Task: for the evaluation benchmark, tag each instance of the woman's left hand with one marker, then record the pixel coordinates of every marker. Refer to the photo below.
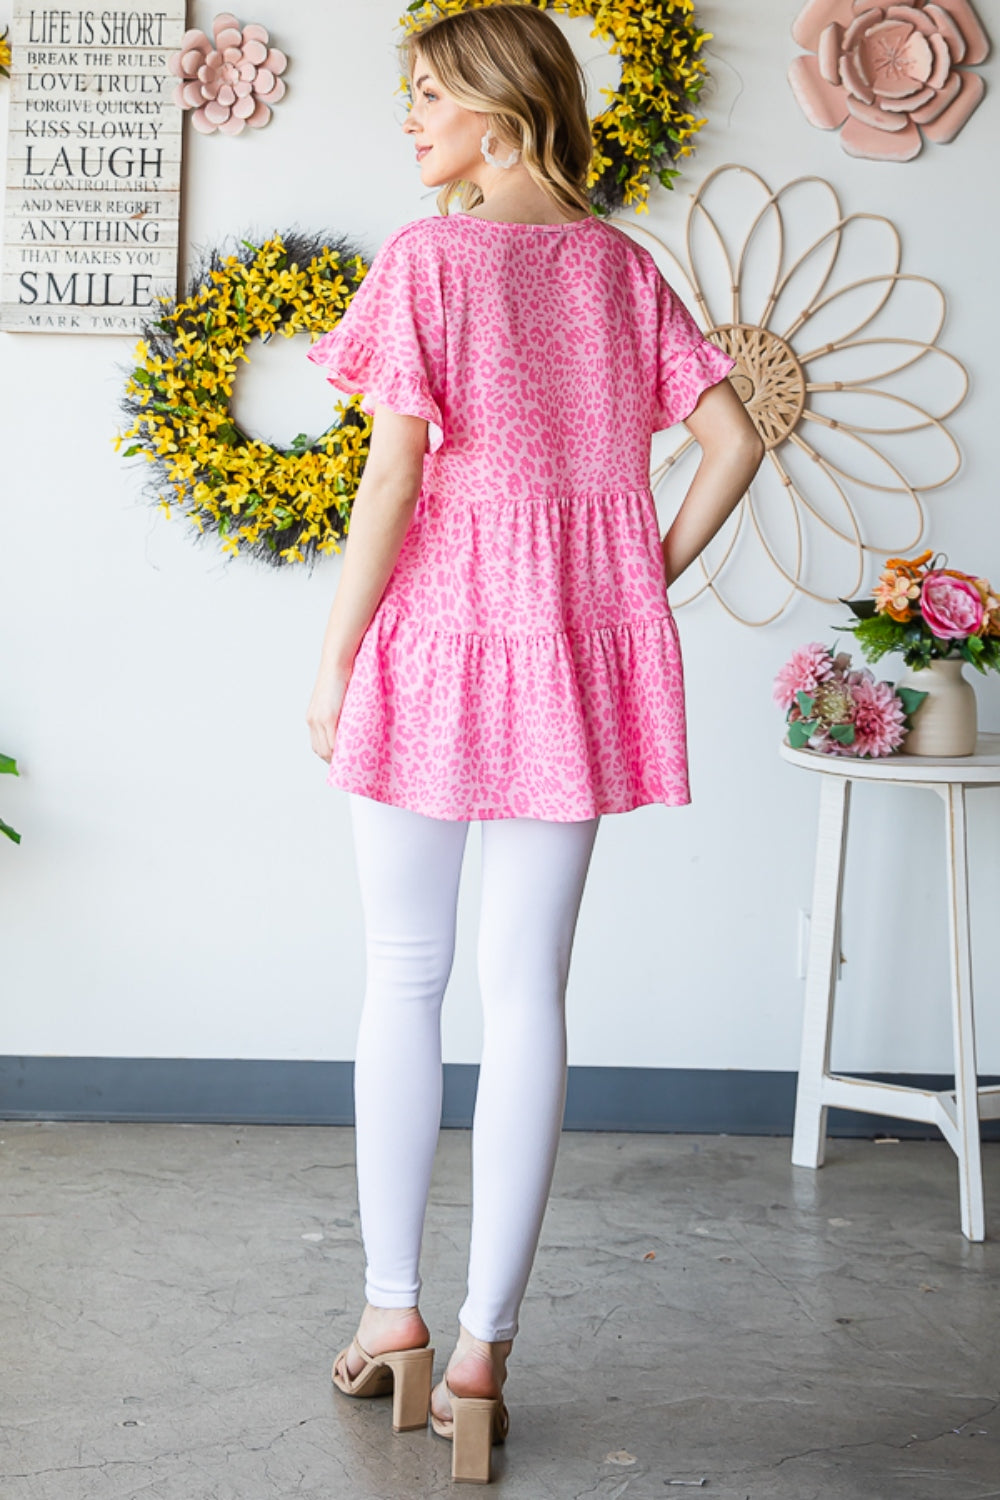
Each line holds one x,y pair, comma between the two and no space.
323,714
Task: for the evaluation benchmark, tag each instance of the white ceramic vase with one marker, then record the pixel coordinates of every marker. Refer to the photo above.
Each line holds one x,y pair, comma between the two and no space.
945,723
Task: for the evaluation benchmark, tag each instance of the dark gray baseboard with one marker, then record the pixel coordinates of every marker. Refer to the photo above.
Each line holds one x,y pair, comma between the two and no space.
235,1091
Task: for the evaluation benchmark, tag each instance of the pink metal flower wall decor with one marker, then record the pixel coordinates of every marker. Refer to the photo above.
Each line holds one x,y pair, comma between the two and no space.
229,79
886,73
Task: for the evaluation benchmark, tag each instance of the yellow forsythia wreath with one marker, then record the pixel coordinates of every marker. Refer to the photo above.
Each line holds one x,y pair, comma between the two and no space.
652,117
281,505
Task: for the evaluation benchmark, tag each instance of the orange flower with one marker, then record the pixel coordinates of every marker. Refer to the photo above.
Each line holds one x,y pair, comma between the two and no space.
991,605
910,566
893,594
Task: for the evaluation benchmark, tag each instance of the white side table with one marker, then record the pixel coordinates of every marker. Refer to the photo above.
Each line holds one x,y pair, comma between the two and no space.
956,1113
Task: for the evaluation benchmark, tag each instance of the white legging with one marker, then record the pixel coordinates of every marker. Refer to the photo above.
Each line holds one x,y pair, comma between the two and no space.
533,874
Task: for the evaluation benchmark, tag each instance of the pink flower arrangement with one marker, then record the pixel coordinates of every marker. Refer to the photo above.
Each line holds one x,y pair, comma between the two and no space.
886,73
841,710
929,612
230,79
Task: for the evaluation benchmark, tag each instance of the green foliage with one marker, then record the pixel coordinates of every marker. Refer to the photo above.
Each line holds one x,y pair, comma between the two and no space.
911,700
845,733
8,766
863,609
981,652
878,634
801,731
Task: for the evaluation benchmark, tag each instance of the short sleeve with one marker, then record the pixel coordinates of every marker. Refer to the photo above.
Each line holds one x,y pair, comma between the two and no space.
688,362
389,344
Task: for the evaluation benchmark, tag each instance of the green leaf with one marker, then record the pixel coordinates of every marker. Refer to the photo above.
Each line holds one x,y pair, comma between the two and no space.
911,699
142,376
801,732
8,766
251,246
862,608
806,704
11,833
844,733
130,452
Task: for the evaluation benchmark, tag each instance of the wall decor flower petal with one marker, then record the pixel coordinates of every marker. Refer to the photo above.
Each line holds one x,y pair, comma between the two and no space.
231,79
838,365
888,76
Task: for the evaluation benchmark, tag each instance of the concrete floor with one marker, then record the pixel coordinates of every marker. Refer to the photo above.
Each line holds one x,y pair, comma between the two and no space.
702,1318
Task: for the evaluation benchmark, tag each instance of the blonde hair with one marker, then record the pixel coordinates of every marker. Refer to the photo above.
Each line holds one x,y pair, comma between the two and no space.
511,62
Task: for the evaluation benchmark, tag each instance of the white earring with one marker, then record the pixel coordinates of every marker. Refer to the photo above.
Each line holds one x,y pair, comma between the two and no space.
485,147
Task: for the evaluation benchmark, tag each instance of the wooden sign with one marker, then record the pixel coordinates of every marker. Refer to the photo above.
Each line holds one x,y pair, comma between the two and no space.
94,163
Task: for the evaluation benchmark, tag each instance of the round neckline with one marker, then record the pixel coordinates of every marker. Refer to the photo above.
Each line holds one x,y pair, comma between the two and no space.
462,213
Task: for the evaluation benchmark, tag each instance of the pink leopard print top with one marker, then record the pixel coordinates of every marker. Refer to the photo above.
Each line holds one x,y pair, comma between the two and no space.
523,660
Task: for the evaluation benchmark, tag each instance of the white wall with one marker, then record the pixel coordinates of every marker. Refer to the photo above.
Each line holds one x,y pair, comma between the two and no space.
185,886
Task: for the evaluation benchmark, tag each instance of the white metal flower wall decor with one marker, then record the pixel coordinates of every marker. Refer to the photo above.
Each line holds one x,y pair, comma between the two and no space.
837,364
889,74
231,79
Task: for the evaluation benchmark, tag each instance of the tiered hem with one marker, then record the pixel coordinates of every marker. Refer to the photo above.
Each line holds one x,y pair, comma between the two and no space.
353,366
564,725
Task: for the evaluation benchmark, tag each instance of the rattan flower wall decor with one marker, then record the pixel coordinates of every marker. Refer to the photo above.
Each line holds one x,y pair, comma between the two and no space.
838,364
231,79
652,117
889,74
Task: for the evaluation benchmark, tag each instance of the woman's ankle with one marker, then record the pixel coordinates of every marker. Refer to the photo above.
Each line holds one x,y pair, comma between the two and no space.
478,1367
383,1328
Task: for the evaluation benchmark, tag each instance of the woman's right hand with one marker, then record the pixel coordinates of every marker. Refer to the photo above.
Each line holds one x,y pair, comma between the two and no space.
323,713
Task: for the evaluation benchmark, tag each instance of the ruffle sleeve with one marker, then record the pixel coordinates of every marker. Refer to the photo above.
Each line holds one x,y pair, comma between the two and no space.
687,362
389,344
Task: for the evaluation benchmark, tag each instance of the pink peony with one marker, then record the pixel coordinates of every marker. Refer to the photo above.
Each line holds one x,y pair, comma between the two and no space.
889,72
952,607
879,720
802,673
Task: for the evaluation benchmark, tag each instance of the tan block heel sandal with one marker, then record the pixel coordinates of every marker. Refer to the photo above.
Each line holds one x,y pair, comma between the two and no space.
406,1372
475,1425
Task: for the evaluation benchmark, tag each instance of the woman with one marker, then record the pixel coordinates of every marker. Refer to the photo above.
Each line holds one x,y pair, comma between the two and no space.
500,649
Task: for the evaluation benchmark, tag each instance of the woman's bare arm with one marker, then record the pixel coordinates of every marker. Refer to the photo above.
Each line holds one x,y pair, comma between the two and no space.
731,455
380,517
